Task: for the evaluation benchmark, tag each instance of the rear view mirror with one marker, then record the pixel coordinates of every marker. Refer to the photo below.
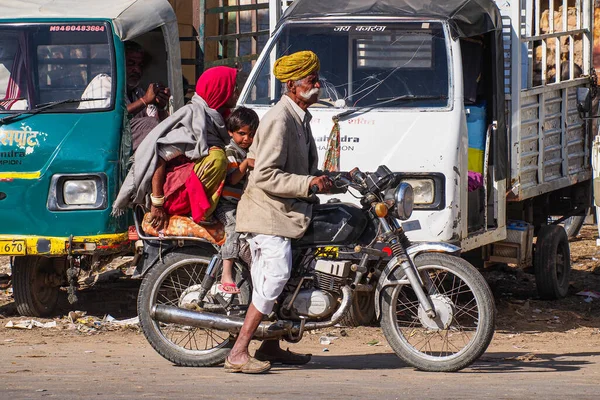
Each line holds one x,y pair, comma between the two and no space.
584,100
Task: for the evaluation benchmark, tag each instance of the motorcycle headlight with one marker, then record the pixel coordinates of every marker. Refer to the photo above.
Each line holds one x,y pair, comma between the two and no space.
404,197
424,190
80,192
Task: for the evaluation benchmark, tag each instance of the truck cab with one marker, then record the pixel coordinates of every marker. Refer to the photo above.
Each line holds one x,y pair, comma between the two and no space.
461,100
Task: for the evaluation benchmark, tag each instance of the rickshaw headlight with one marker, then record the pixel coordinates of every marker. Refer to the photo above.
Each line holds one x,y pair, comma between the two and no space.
70,192
80,192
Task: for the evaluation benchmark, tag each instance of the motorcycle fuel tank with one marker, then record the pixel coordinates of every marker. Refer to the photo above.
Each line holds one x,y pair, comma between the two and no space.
334,224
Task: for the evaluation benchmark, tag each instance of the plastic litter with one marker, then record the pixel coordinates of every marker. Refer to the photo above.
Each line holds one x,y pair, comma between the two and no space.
327,340
126,322
29,324
590,294
75,315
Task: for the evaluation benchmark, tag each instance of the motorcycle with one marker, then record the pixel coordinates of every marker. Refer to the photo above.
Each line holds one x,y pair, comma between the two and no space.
435,309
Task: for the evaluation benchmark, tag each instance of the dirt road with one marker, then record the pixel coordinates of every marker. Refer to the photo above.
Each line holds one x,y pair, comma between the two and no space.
121,365
541,349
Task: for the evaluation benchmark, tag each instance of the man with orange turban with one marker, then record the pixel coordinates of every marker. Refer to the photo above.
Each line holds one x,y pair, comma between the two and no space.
277,204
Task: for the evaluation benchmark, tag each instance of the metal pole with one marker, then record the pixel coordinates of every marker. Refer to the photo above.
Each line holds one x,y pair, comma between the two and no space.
274,14
199,21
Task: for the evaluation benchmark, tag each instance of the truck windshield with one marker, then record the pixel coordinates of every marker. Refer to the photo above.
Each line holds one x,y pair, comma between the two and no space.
54,62
388,65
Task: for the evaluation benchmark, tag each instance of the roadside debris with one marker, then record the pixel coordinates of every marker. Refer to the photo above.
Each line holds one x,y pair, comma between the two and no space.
77,320
590,295
5,281
29,324
524,357
327,340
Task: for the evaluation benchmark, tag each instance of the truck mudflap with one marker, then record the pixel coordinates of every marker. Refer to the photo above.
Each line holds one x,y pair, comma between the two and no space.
28,245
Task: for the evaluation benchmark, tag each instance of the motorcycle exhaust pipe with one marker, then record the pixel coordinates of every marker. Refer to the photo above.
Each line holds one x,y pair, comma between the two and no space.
218,322
266,330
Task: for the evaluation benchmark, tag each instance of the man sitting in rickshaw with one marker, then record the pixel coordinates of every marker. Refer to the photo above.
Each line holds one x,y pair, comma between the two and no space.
148,106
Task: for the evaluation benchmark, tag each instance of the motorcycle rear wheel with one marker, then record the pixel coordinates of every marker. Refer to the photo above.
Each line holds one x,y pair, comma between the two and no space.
465,319
168,283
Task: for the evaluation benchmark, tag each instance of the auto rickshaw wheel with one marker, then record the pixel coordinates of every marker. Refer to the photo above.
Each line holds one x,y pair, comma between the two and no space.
35,288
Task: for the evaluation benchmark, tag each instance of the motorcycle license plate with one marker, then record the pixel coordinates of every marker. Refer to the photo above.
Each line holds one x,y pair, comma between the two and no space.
13,247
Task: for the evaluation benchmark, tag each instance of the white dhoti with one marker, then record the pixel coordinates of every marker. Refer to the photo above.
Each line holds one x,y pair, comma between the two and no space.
271,268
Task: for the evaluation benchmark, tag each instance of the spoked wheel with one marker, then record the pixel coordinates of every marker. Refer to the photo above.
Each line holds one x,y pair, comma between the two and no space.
176,282
464,322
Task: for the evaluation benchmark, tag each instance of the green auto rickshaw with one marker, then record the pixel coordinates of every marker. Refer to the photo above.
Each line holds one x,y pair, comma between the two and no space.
64,143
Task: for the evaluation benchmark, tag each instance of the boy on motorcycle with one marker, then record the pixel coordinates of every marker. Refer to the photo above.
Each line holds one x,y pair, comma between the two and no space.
241,125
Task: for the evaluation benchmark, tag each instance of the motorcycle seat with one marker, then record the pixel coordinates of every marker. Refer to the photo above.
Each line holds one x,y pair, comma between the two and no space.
186,227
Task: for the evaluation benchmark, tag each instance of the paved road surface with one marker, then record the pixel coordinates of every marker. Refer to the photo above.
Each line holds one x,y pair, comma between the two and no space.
121,365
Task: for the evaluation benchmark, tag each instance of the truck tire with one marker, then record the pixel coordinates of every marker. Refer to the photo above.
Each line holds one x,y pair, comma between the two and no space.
362,311
573,225
552,262
34,296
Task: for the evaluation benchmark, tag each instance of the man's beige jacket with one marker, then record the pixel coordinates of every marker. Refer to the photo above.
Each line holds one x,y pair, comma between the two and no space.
275,199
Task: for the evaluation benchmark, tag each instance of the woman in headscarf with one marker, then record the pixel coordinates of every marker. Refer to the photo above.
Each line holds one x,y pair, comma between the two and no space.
181,162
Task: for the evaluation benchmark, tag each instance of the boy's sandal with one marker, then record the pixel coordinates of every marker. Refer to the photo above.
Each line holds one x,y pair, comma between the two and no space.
228,288
252,366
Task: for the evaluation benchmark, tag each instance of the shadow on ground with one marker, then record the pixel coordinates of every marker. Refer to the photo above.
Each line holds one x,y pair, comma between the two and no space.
494,362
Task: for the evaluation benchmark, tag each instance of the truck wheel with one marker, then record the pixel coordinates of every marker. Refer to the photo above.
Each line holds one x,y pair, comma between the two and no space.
552,262
573,225
35,294
362,311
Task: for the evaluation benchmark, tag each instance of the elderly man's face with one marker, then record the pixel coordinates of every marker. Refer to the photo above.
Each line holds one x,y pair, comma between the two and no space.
135,66
309,88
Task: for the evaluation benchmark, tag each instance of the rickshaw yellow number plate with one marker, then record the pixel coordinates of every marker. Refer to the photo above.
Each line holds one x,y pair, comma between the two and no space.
13,247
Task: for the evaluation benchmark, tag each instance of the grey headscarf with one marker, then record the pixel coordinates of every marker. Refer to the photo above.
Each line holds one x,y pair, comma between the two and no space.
194,129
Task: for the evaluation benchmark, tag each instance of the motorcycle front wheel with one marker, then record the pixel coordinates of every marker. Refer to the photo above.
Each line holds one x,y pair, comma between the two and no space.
174,282
465,315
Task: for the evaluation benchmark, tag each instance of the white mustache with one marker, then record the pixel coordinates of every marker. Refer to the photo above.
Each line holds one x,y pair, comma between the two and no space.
310,93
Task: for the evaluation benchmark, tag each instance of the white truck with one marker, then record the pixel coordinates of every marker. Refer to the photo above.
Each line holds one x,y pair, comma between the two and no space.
481,106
